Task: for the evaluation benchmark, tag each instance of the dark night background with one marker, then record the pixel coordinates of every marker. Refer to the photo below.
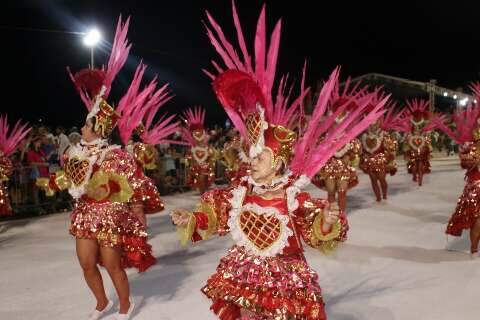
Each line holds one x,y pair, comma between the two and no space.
418,40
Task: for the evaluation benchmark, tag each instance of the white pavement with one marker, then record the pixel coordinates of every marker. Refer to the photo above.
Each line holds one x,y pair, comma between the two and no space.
393,266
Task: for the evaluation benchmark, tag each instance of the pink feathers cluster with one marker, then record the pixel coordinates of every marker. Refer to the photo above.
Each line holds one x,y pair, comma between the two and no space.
10,138
323,136
137,104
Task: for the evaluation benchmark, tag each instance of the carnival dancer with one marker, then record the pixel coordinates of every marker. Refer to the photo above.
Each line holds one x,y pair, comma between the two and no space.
201,173
147,135
379,149
467,136
265,274
339,174
102,179
417,124
9,141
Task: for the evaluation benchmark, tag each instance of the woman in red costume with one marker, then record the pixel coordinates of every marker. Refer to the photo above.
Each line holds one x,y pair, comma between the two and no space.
379,149
106,182
339,174
201,174
467,135
9,141
417,124
149,135
265,274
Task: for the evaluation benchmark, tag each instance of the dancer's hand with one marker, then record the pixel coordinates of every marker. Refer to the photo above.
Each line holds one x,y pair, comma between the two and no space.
180,217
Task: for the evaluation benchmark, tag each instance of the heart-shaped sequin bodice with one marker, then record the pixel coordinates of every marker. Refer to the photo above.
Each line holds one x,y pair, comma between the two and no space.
261,230
76,170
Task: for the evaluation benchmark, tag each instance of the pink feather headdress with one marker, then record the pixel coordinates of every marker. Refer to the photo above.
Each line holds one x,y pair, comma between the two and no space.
195,131
245,91
94,85
416,115
10,138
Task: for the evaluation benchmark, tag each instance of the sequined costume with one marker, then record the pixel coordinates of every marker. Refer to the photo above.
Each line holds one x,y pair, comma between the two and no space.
6,169
418,152
104,184
265,271
417,122
467,211
341,166
144,156
378,153
201,156
9,140
265,274
201,164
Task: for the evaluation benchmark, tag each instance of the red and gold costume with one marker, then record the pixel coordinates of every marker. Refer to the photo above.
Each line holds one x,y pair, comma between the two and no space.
9,141
265,274
339,174
418,152
201,157
265,271
467,211
379,150
145,157
104,183
417,123
6,169
467,135
341,167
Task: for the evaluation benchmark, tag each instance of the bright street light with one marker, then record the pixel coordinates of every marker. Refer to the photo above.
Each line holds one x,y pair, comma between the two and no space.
91,39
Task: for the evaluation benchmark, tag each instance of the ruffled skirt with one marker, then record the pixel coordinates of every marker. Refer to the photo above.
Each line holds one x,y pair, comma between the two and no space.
113,225
377,163
280,287
467,211
336,169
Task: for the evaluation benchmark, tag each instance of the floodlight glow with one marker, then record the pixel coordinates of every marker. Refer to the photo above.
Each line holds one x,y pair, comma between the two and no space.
92,38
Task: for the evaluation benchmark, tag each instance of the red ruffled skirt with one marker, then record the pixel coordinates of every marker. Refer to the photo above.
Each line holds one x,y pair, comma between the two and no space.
416,158
336,169
467,211
377,163
113,225
280,287
197,171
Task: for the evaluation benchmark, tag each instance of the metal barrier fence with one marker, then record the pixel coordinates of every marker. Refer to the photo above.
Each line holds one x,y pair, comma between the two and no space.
28,200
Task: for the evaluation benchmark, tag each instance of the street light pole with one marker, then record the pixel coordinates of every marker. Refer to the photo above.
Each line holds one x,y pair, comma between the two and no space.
91,58
431,95
91,39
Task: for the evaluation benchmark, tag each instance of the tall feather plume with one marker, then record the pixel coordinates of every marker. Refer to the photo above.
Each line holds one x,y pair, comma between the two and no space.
132,106
277,111
323,136
104,77
465,120
158,132
119,54
9,139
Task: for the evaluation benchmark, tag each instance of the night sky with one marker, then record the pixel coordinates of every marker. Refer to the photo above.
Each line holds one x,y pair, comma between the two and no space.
418,40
